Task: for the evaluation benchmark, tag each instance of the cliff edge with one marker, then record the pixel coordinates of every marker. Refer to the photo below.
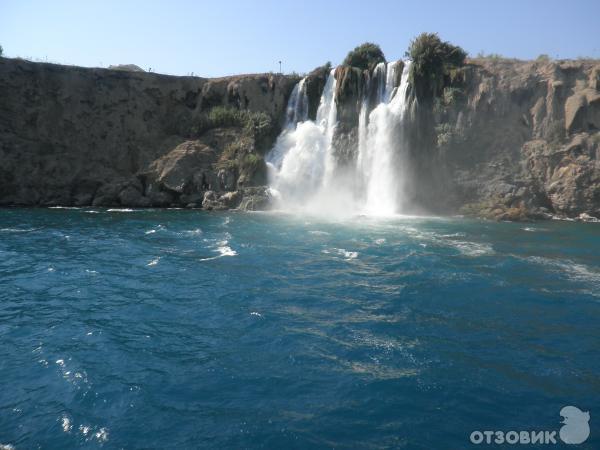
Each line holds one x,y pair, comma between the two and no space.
76,136
507,139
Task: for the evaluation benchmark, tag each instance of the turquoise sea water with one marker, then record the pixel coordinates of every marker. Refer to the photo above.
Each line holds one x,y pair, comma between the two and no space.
187,329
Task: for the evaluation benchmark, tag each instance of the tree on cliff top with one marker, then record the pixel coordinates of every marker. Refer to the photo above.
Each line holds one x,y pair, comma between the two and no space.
432,59
1,50
365,56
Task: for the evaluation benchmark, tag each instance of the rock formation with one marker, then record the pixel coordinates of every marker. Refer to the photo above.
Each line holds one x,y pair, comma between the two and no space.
505,139
78,136
518,140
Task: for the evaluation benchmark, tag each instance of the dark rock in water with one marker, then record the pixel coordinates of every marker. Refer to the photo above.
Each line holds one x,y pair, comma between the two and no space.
255,199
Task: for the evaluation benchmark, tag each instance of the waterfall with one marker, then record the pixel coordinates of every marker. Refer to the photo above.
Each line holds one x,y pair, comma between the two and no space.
301,163
381,146
303,171
297,108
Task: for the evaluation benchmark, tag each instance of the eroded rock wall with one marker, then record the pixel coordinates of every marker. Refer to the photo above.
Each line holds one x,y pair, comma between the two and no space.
78,136
507,139
517,140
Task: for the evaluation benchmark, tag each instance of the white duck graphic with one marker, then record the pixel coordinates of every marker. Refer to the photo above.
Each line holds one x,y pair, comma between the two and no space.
576,428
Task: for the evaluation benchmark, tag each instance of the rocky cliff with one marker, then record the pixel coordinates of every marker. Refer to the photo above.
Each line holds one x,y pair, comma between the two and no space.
506,139
517,140
78,136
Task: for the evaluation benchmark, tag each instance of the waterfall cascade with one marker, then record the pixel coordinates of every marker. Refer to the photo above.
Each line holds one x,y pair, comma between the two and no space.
303,171
381,162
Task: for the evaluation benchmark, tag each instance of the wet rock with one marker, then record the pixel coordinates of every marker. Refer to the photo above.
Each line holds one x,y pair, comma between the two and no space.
255,199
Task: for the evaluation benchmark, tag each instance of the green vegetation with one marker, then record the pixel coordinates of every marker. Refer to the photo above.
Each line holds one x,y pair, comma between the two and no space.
252,162
1,50
432,62
258,123
452,96
366,56
483,55
543,58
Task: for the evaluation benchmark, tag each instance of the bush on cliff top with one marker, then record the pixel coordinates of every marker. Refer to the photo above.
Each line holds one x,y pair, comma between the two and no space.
1,50
365,56
432,59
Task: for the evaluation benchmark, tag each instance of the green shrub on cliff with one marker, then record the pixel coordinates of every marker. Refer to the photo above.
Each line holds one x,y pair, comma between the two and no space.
1,50
432,60
223,117
365,56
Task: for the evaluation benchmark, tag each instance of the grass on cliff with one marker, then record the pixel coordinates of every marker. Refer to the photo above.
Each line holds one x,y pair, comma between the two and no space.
366,56
433,61
257,124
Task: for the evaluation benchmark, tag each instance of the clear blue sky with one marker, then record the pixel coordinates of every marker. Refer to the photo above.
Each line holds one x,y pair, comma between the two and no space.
222,37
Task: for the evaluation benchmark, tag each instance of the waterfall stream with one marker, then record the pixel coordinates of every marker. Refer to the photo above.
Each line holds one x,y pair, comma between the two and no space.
303,171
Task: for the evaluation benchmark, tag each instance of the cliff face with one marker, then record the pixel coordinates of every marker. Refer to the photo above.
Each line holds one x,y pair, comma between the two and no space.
507,139
517,140
77,136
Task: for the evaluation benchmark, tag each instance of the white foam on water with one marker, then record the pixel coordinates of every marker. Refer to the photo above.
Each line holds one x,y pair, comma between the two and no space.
154,230
102,435
467,248
379,241
64,207
223,249
319,233
346,254
120,210
18,230
257,314
154,262
472,248
194,232
572,270
67,426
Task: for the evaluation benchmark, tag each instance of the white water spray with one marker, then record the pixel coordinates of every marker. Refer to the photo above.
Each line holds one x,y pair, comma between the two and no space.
303,171
381,147
301,162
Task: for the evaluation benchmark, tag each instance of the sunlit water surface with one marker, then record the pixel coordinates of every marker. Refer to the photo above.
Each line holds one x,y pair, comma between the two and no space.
183,329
